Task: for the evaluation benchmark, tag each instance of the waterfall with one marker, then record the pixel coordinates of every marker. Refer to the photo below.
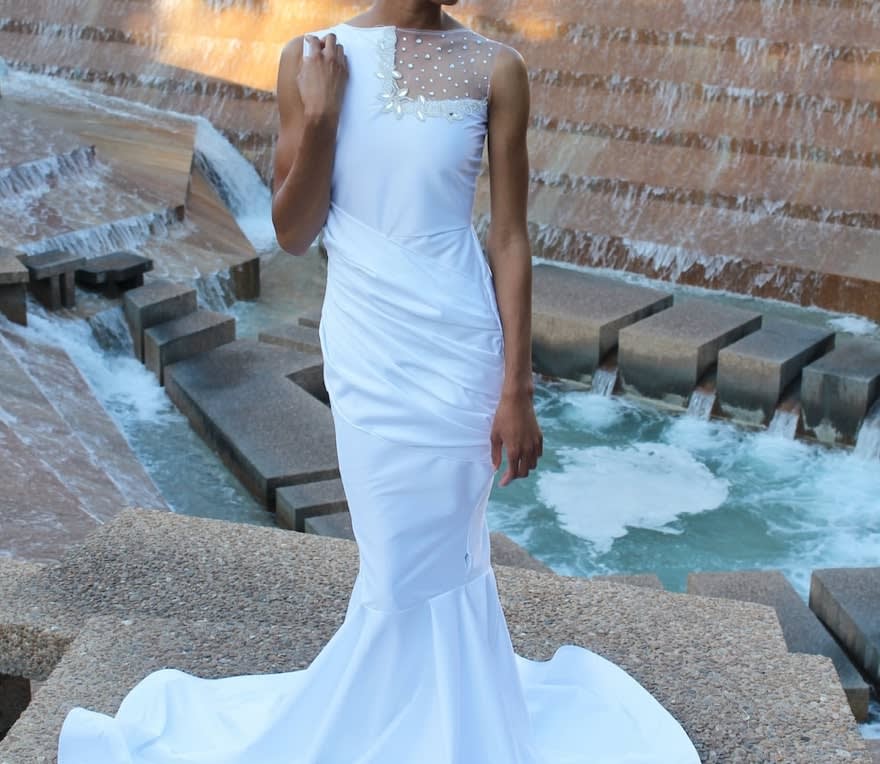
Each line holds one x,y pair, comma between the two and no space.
868,439
237,183
40,175
111,331
784,423
604,381
701,404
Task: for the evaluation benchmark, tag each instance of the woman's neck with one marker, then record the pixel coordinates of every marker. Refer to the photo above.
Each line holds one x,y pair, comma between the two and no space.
410,14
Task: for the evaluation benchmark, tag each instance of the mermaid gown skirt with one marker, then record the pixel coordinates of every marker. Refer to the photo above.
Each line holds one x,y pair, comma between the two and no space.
422,668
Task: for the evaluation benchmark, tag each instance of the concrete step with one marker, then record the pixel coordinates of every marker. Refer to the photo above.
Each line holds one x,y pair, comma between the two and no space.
809,22
819,191
839,388
753,372
576,317
256,405
781,258
296,336
115,272
71,397
665,355
14,278
185,337
638,111
847,600
803,632
156,302
645,580
704,659
37,423
296,504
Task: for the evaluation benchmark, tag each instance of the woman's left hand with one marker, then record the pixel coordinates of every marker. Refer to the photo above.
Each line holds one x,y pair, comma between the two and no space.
516,428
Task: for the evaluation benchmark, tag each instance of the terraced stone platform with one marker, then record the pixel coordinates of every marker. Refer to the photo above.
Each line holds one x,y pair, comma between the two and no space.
152,590
725,145
67,467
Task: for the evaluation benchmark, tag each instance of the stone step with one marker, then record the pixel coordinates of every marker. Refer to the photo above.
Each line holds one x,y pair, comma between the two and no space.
71,397
311,318
804,189
819,72
290,591
761,255
839,388
336,525
34,175
296,336
37,423
155,303
754,372
809,22
576,317
296,504
665,355
816,23
114,273
645,580
184,337
847,600
734,121
256,405
14,278
802,630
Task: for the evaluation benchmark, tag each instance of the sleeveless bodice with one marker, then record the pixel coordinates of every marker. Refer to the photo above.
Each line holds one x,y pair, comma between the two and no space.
412,128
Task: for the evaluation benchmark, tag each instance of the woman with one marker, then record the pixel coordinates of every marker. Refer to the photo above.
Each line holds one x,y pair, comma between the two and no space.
427,363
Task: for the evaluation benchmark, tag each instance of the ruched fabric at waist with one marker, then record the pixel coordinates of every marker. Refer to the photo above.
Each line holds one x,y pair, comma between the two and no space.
411,336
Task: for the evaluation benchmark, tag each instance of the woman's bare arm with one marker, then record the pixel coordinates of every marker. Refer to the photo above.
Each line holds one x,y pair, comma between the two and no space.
309,94
510,259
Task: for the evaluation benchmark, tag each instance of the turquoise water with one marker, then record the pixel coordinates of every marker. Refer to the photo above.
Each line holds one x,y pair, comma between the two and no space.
626,488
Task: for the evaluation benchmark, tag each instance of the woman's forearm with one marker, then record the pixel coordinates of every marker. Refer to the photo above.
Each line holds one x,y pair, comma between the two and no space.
300,203
511,263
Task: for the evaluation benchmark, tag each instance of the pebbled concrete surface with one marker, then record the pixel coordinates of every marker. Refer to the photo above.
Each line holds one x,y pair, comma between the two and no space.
236,599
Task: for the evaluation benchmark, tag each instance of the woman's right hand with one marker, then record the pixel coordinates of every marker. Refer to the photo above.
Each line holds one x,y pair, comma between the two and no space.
322,76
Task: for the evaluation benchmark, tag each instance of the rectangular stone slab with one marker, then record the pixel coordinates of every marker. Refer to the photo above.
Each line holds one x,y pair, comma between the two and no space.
295,504
117,266
803,632
665,355
52,263
296,336
269,430
184,337
336,525
753,372
13,302
12,271
838,389
847,600
576,317
154,303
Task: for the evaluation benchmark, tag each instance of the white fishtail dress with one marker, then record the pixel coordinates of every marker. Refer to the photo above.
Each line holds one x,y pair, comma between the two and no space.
422,671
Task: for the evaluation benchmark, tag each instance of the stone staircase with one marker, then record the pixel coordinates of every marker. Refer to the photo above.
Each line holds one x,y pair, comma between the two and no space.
92,178
67,467
153,589
730,145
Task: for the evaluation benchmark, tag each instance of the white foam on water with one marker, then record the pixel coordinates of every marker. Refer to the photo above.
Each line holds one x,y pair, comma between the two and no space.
852,324
603,491
120,381
593,411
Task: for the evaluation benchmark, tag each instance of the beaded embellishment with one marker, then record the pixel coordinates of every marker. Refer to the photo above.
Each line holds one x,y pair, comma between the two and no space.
399,95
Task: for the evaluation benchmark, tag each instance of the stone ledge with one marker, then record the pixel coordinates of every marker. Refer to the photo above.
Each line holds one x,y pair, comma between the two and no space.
576,317
803,631
665,355
704,659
